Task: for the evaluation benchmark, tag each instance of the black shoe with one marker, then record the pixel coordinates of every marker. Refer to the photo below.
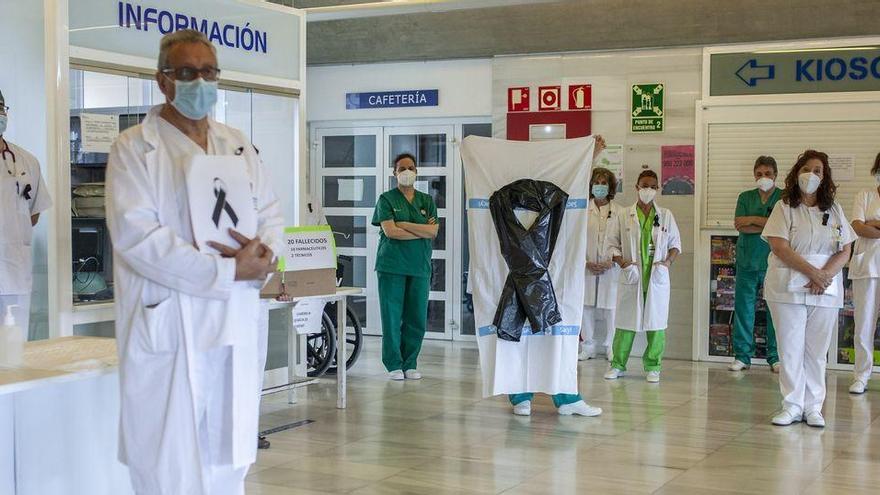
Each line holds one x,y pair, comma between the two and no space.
262,443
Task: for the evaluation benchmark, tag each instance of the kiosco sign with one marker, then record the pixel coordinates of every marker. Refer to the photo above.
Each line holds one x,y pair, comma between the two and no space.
810,71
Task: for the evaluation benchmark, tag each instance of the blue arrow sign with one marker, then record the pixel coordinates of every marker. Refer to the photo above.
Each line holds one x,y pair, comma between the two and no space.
750,72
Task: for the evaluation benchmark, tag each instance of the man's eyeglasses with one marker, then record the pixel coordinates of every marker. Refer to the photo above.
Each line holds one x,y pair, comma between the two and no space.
191,73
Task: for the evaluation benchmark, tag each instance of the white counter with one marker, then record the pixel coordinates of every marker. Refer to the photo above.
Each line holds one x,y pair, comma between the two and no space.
59,417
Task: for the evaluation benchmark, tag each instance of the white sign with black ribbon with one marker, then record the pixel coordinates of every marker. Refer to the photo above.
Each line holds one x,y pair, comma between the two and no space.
220,199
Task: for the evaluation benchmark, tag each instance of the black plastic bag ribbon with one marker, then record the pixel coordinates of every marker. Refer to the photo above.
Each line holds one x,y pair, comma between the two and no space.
528,292
221,205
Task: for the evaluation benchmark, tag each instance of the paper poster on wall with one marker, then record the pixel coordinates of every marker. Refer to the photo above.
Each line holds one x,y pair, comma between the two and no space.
843,167
423,186
350,190
98,132
612,159
677,169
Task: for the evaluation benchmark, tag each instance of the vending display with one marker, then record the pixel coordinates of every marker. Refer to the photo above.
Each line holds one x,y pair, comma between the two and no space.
721,300
846,353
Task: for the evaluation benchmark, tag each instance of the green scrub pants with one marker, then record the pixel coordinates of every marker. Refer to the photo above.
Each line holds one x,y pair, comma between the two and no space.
623,343
559,400
403,303
746,298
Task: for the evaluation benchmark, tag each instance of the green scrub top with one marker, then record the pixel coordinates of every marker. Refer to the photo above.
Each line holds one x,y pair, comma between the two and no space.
411,257
751,250
646,249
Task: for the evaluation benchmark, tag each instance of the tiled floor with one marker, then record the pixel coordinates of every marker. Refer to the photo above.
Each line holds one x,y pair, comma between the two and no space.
702,430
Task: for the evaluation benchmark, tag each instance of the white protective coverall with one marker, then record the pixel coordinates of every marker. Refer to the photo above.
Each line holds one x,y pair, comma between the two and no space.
187,333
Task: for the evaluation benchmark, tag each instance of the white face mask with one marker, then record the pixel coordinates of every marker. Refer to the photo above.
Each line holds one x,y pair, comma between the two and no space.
809,182
646,194
406,178
877,178
3,121
765,183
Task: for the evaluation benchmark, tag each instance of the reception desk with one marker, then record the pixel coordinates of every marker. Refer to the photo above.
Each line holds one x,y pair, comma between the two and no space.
59,420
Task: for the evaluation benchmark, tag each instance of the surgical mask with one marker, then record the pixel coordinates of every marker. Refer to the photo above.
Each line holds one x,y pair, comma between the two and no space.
809,182
877,178
406,178
600,191
765,183
3,121
646,194
195,99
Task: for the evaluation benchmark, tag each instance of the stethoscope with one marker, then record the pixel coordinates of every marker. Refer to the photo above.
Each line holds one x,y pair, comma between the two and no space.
14,173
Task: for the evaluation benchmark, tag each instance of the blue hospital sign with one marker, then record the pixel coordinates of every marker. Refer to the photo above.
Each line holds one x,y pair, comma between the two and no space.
807,71
393,99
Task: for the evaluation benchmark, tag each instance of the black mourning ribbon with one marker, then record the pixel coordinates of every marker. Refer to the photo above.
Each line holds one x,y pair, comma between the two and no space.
221,205
26,194
528,292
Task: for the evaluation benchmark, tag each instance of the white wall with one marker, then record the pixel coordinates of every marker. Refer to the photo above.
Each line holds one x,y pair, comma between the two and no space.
612,75
22,80
465,89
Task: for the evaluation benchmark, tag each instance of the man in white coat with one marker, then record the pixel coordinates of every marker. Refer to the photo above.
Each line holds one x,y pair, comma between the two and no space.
23,196
187,322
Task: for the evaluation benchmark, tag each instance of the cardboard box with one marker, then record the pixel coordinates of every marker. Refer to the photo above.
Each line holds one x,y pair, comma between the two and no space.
301,283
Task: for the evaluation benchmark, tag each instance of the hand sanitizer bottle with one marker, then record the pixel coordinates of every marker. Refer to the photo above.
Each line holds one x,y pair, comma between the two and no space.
11,341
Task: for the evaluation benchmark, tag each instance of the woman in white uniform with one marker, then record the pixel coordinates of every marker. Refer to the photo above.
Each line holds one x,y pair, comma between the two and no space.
809,239
864,270
643,240
600,289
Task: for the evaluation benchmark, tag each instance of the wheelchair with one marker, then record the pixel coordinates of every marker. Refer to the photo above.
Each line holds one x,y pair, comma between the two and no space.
321,347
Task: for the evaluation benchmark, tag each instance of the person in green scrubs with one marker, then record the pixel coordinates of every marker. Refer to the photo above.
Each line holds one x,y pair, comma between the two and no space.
408,219
752,209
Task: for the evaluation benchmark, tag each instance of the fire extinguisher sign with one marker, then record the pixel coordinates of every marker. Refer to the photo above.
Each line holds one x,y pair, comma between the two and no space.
580,97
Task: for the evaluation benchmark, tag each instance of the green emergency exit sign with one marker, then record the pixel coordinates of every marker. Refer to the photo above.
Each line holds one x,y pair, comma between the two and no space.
647,107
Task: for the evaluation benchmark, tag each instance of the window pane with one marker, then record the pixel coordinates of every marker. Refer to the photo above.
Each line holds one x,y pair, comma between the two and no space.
350,192
436,316
439,243
429,149
349,151
438,275
434,185
350,232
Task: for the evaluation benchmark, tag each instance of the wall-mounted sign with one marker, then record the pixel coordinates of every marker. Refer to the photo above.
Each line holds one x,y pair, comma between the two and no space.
580,97
647,107
795,71
250,38
393,99
549,98
518,99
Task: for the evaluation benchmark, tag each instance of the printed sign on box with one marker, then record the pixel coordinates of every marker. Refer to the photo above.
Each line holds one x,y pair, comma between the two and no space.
308,248
677,170
549,98
647,107
518,100
580,97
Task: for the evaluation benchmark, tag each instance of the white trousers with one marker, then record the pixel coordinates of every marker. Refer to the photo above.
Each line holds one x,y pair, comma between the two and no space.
866,299
803,335
597,328
22,313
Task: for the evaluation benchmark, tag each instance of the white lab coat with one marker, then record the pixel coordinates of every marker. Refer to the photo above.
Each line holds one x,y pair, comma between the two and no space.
16,231
804,322
175,308
864,270
623,239
600,291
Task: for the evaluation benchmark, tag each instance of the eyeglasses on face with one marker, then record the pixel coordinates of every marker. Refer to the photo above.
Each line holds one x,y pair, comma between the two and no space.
187,73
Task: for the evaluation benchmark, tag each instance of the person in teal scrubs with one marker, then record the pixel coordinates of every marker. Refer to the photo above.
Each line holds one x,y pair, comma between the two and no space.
752,209
408,219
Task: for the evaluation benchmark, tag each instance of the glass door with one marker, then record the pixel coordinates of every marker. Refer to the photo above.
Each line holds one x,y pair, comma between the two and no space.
433,147
346,180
